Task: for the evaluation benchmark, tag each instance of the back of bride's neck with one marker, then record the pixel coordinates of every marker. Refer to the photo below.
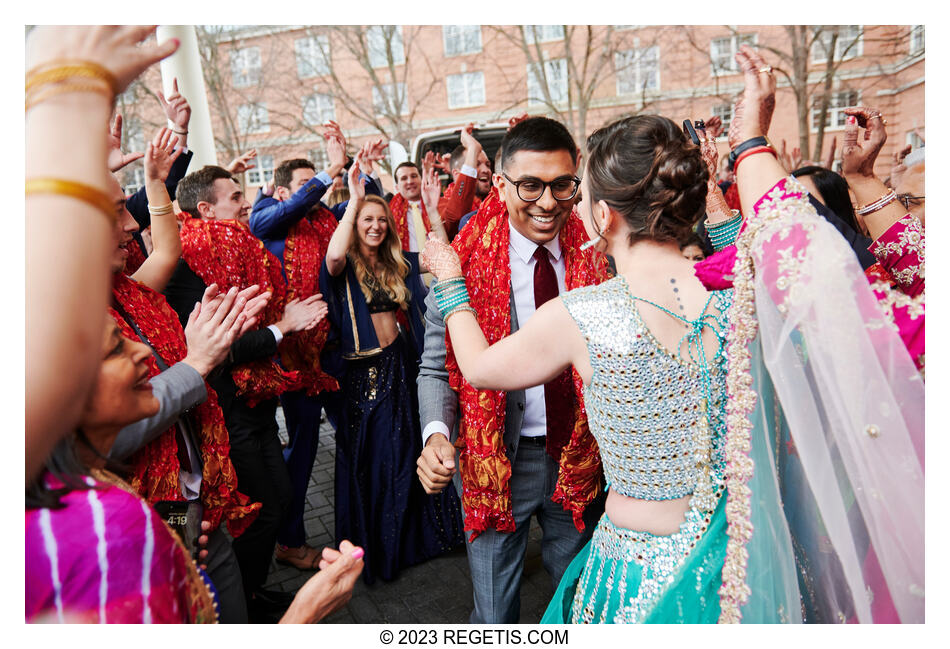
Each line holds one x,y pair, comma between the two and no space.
647,254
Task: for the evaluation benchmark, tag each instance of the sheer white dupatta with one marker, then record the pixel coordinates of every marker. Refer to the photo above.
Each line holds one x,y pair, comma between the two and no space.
819,376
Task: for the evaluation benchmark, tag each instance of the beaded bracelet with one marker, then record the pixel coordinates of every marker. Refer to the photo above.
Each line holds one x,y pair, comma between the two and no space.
882,202
86,193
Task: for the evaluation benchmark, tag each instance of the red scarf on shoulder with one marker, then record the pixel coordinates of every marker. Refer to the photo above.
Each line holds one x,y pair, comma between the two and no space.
227,254
486,494
399,206
304,249
155,467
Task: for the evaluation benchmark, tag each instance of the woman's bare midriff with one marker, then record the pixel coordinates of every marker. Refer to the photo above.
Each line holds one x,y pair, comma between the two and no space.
386,327
659,517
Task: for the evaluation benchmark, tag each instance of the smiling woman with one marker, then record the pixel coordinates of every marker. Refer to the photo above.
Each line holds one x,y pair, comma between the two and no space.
374,291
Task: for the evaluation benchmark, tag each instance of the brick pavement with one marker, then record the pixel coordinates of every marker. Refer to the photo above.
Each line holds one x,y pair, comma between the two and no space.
437,591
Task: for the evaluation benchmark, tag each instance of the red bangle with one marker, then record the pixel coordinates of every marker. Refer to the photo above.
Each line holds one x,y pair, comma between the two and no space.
753,151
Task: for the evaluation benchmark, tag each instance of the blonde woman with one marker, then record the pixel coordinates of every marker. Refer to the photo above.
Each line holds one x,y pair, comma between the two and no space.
375,292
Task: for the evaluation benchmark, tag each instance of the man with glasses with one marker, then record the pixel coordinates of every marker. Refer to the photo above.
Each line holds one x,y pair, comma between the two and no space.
537,184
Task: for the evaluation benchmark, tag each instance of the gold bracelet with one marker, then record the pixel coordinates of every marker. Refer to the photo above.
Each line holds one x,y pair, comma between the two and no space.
56,71
32,99
86,193
160,209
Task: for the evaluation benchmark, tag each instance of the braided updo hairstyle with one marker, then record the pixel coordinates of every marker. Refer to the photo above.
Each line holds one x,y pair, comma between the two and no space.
646,169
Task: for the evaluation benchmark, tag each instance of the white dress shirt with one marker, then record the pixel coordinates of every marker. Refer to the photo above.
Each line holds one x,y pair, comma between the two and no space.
522,262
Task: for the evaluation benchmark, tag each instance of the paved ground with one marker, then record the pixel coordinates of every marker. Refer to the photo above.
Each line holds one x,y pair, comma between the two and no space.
438,591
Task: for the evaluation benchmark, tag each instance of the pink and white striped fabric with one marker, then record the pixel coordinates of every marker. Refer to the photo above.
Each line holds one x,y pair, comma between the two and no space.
106,557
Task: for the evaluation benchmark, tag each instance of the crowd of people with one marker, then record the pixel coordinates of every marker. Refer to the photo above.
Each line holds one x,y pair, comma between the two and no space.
704,379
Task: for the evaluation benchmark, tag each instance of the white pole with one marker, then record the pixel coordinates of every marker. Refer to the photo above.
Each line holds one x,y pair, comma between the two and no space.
185,65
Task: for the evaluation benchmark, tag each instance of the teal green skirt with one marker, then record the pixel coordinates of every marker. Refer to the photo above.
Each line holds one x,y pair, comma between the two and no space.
623,576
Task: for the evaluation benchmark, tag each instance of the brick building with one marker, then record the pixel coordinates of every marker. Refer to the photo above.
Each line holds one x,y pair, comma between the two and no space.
271,88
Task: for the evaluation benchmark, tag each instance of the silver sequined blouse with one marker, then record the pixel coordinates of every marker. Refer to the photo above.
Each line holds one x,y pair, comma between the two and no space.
646,405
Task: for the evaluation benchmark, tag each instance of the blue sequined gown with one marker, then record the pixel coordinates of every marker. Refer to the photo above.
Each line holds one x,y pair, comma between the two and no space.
659,420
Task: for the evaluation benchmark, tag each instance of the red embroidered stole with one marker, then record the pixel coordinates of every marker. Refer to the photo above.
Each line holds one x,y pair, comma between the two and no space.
155,467
486,495
399,206
304,250
227,254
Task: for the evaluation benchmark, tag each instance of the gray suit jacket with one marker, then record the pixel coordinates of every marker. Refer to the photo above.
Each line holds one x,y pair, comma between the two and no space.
439,402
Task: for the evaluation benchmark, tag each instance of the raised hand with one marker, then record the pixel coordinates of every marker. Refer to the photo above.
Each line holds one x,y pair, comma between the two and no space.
714,126
898,169
428,161
328,590
242,163
117,159
709,152
441,259
754,107
443,163
357,190
119,49
431,189
160,154
516,120
176,108
375,151
213,326
336,152
858,159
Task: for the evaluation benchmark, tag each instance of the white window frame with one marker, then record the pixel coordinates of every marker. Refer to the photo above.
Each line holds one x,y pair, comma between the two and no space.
536,94
469,81
542,33
819,49
629,67
735,40
387,88
245,66
376,50
262,171
722,111
313,56
321,107
913,140
917,33
459,35
135,178
250,114
319,158
835,107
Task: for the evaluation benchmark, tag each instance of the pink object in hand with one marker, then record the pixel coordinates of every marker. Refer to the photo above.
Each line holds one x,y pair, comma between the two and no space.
358,553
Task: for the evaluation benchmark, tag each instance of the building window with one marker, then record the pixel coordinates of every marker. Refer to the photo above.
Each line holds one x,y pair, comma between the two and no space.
318,108
263,172
461,39
319,158
835,117
383,41
467,89
916,39
637,70
388,100
543,33
723,112
914,139
253,118
134,137
555,73
313,56
722,52
847,46
246,66
134,180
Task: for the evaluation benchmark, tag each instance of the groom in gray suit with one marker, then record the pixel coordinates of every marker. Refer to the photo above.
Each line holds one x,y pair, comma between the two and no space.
536,153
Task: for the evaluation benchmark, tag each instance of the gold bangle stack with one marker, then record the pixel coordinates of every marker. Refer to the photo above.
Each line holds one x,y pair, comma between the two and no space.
86,193
161,210
64,76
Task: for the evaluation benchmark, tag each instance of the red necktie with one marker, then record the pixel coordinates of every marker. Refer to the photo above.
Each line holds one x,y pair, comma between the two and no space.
559,392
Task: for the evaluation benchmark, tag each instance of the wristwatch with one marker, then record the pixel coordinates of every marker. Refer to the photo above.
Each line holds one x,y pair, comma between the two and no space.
748,144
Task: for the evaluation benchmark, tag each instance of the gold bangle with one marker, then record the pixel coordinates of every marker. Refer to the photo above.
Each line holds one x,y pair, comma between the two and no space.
56,71
161,210
35,98
86,193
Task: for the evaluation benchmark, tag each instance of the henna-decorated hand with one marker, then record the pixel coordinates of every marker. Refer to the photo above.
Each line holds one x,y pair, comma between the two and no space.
441,259
857,160
754,107
707,148
714,126
160,154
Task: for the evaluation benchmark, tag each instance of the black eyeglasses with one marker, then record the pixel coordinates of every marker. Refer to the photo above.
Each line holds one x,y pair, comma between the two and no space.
532,189
909,200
